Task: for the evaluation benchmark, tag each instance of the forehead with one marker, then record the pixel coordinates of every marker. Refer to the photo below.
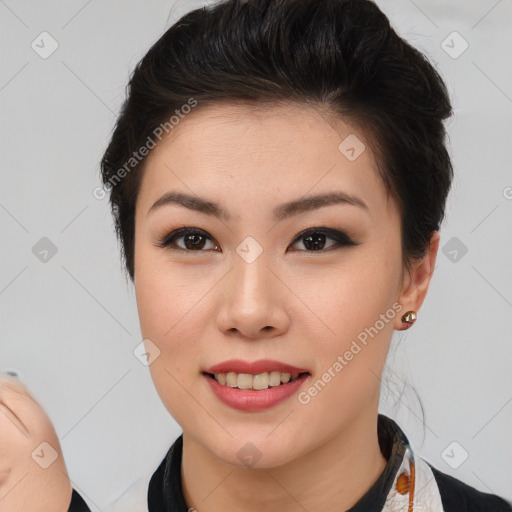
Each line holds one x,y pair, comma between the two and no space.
285,150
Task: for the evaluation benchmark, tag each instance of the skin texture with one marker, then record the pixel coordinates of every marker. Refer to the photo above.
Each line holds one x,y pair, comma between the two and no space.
26,485
293,304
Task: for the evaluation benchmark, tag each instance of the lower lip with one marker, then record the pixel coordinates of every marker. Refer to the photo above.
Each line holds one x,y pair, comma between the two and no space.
251,400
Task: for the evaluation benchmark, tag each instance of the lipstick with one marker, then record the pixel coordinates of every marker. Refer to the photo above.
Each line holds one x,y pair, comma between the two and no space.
253,400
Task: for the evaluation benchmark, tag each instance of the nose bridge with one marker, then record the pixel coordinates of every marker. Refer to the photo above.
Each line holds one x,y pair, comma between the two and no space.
251,302
251,283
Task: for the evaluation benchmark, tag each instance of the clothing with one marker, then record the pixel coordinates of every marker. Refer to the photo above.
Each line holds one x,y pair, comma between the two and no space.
77,503
433,490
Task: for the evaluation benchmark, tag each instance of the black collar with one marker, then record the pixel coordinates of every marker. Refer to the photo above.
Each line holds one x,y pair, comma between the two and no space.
165,492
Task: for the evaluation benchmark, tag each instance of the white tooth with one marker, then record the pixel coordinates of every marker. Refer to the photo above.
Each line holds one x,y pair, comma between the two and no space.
274,379
244,381
232,379
260,381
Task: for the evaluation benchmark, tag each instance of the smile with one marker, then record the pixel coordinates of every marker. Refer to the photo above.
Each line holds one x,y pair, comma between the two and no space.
257,382
264,395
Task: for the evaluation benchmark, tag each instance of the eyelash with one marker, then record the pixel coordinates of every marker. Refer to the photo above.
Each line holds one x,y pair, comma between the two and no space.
341,239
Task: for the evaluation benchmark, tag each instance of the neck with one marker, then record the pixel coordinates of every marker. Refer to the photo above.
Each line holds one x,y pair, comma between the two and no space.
331,477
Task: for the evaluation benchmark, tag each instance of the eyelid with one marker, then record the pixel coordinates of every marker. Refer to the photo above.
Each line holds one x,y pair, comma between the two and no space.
340,237
165,240
335,234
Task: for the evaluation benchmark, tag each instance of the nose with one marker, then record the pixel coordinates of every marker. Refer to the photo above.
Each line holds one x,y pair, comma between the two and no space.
253,301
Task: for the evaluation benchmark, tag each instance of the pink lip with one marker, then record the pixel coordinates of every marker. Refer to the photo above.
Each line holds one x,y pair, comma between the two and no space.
254,368
251,400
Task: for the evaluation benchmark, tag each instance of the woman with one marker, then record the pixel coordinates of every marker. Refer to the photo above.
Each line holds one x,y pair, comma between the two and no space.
278,177
283,223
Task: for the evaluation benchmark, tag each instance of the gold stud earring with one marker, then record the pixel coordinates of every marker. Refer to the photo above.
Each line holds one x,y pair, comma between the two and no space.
408,319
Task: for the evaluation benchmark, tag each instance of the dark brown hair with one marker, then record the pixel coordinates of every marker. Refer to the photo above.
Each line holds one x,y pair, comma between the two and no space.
340,55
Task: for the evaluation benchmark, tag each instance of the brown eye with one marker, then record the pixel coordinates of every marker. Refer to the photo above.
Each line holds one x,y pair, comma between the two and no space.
194,240
314,239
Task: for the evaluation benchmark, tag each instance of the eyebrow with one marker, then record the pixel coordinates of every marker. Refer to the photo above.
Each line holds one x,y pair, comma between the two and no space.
280,213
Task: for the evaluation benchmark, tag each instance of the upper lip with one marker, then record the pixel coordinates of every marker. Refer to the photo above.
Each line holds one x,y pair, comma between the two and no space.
254,367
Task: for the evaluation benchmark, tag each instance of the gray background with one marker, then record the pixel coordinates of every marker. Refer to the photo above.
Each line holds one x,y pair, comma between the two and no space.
69,325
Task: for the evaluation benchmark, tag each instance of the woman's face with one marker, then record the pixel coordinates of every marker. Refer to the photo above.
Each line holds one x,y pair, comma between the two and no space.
250,287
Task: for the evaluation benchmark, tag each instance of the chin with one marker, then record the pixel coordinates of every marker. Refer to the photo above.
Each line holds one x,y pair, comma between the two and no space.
253,448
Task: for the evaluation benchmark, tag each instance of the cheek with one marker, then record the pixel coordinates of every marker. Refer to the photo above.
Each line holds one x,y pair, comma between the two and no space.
172,299
352,298
165,308
160,290
173,313
357,324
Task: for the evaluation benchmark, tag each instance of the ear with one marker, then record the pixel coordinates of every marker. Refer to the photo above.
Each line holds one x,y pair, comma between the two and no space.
416,282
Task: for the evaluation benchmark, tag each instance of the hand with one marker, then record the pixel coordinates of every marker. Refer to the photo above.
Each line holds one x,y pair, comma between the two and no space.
33,476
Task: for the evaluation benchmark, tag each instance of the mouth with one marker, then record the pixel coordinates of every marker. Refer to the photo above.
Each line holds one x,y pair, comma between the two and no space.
256,382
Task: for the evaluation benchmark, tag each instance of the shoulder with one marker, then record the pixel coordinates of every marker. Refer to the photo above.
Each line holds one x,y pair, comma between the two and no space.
457,496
